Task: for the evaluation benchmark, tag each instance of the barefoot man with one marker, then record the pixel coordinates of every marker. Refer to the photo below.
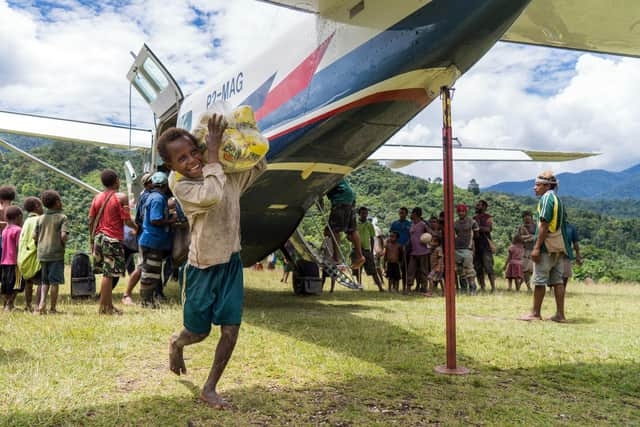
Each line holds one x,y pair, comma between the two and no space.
212,282
551,247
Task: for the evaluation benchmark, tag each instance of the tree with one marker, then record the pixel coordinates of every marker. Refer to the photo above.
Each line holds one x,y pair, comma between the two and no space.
473,187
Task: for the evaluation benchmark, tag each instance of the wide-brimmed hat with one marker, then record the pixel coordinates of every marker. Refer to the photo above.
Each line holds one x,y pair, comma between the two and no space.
145,178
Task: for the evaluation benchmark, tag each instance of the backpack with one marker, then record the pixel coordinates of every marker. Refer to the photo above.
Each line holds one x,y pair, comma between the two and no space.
83,281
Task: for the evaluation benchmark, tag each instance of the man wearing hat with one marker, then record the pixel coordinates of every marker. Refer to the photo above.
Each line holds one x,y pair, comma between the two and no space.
551,247
155,241
466,229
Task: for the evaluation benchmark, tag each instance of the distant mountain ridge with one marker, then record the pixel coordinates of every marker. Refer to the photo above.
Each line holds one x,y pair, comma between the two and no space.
595,184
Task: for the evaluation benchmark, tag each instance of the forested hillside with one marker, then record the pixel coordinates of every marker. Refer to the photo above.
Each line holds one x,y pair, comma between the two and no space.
611,246
82,161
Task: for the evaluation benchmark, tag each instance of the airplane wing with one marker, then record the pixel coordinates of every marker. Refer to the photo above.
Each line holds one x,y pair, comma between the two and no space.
75,131
591,25
399,156
314,6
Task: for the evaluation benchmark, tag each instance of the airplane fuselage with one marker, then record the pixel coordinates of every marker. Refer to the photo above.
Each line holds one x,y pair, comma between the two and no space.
343,88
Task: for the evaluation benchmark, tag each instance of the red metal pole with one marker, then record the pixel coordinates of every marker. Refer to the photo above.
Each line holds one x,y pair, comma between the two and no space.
449,256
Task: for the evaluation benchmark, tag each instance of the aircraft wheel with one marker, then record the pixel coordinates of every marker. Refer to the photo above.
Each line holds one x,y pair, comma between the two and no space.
298,285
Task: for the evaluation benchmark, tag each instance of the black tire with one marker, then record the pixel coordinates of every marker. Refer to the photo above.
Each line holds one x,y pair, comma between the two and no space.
298,285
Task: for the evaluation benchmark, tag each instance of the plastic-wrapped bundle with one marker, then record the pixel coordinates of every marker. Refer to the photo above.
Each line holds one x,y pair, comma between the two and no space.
242,146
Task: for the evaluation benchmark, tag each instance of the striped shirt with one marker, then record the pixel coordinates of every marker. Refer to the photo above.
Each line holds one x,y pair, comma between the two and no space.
551,210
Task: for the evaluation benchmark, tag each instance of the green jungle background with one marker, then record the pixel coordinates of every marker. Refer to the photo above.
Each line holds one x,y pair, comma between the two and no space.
609,229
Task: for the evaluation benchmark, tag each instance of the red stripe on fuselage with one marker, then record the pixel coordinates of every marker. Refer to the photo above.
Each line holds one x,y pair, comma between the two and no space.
295,82
419,96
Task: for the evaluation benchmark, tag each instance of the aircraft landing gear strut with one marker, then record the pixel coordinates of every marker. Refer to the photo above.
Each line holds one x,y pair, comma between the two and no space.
451,367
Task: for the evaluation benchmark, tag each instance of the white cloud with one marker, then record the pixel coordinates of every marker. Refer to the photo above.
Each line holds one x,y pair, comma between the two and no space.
71,61
412,135
589,105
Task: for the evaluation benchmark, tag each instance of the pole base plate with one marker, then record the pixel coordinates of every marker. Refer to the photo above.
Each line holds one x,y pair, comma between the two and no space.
459,370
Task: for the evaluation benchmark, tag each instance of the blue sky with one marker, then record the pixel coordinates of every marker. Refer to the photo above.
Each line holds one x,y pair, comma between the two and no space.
69,58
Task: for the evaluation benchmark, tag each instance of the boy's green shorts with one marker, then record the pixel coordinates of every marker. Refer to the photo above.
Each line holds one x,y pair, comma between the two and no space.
213,295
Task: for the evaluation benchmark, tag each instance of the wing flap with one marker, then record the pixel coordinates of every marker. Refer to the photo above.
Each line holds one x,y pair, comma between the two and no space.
74,131
591,25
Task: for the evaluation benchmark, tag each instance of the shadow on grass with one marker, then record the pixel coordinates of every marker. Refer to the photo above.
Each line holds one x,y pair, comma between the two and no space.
581,320
579,394
351,329
13,355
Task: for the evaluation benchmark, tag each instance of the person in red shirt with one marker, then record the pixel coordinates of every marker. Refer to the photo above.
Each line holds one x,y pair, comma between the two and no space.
107,217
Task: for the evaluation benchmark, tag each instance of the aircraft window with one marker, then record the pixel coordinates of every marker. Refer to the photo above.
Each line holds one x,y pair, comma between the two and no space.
155,73
145,88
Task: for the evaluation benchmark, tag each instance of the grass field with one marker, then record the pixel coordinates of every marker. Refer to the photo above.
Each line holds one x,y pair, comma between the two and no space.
347,358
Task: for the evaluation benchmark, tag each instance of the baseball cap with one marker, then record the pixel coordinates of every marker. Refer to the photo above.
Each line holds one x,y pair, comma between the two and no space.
159,178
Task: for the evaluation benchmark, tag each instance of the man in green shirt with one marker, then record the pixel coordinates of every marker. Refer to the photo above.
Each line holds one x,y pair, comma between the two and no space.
551,247
367,234
342,218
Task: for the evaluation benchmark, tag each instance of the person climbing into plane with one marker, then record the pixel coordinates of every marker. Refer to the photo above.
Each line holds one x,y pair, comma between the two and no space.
343,219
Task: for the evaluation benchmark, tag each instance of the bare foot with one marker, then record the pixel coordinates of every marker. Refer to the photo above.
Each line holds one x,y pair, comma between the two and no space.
214,400
176,359
54,311
109,310
40,311
558,319
529,317
126,300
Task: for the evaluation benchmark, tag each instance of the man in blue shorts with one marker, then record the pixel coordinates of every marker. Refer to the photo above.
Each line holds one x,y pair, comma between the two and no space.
551,247
212,281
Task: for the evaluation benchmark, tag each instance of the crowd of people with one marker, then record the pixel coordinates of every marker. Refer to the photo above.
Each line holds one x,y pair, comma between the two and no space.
33,250
412,252
411,257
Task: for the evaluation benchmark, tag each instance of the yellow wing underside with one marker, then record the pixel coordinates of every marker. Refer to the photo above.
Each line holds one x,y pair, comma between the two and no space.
604,26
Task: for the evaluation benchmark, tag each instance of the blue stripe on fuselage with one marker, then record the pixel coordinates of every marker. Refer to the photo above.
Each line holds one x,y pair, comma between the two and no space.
427,38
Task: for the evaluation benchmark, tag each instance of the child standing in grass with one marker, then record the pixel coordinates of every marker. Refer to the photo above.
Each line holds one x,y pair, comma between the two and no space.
212,282
513,264
107,218
9,258
7,196
437,264
393,253
51,235
28,251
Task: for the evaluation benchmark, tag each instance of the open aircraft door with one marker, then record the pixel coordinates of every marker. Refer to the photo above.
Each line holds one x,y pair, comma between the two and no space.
156,85
158,88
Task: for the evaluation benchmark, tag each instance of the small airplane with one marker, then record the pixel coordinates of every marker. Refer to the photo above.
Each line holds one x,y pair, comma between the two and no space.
350,75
